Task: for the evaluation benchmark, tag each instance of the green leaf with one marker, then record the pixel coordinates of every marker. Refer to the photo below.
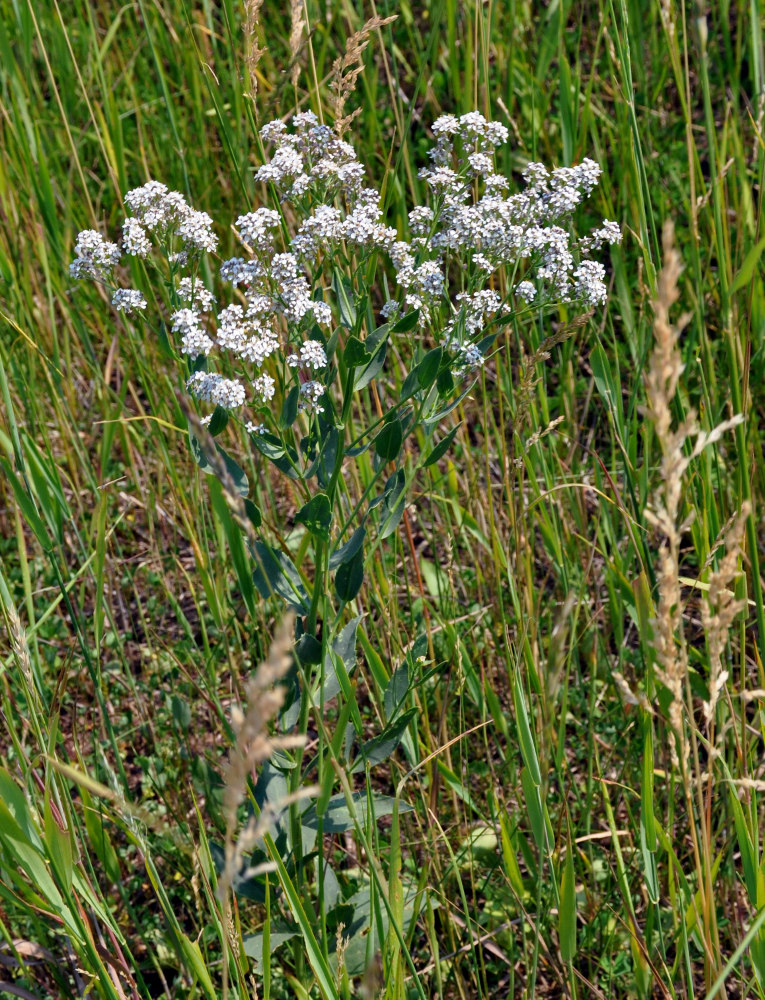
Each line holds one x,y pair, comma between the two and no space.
427,369
436,417
290,408
567,914
393,504
219,421
342,662
407,323
284,458
376,345
381,747
445,383
338,818
343,290
276,574
235,471
350,576
315,954
26,503
308,649
316,515
346,552
526,739
280,933
441,448
396,689
253,513
746,271
388,442
181,712
355,353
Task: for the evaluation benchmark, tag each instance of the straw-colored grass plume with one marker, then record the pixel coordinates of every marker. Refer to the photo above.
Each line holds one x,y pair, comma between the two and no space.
666,512
346,69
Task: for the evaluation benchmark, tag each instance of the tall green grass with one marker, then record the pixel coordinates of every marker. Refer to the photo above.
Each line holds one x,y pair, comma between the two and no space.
552,847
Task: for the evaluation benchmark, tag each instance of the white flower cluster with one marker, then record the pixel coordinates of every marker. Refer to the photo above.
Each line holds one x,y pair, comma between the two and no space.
166,214
311,165
94,256
471,228
474,221
127,300
213,388
312,355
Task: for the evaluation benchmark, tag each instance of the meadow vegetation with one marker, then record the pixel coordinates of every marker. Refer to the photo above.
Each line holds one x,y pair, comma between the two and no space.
517,747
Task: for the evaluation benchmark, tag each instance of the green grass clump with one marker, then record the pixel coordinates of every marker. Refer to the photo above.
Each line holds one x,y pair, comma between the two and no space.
565,819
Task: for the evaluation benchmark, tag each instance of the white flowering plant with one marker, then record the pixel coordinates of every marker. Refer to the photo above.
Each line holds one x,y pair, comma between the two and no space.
297,355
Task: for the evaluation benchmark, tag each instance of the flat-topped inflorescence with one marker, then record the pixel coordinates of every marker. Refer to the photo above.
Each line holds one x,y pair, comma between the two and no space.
284,281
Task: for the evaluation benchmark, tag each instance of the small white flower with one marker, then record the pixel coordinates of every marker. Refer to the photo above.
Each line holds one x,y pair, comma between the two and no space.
255,228
194,340
241,272
311,393
195,293
252,428
265,387
526,291
588,282
197,233
609,232
127,300
312,355
94,256
214,388
134,238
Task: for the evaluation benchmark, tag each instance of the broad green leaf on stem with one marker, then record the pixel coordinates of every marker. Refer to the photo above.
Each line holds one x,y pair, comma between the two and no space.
235,471
316,515
289,412
396,690
441,448
343,290
446,410
388,442
284,458
276,574
219,421
381,747
346,552
376,345
324,977
393,501
407,322
350,576
338,818
343,659
355,353
279,934
427,370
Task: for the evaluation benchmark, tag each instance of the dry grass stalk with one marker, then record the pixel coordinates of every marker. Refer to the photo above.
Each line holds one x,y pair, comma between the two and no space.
721,608
662,381
255,744
252,50
346,69
297,26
